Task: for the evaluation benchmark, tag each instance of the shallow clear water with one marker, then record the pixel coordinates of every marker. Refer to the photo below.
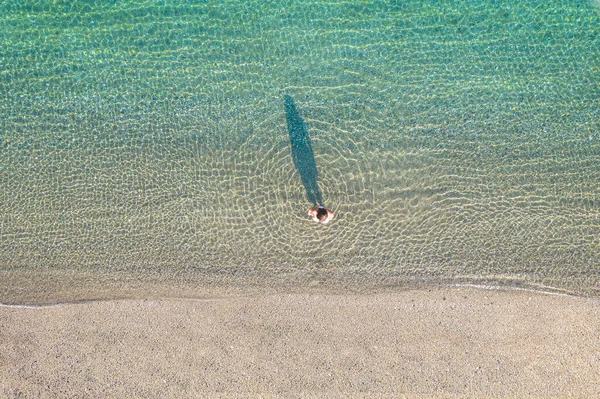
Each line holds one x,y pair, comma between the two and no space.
457,142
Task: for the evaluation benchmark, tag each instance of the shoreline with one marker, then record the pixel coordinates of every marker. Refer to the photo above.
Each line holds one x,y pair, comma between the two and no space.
50,287
384,290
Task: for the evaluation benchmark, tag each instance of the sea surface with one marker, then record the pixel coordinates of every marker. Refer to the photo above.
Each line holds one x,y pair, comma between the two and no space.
457,142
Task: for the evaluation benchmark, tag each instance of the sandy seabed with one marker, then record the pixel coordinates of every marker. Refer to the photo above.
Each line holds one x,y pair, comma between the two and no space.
439,342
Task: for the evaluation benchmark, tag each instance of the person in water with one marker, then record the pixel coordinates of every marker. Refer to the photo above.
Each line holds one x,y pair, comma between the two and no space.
320,214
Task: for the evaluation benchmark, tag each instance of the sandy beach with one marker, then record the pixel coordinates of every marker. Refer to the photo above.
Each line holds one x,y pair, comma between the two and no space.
439,342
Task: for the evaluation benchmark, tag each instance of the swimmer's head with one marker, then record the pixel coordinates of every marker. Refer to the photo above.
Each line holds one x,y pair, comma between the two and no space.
322,214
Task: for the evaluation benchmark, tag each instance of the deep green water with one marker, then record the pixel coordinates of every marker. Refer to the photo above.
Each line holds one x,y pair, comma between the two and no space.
457,141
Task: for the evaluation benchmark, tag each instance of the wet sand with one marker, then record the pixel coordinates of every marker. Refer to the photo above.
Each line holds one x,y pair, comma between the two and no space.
452,342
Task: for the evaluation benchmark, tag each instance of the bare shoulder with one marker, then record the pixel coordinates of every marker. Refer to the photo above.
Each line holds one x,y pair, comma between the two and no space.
313,211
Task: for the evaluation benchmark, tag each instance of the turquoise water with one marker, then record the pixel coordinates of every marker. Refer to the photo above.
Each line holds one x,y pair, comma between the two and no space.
456,142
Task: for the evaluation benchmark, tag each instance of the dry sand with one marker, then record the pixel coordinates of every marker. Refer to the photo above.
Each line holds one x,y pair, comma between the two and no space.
453,342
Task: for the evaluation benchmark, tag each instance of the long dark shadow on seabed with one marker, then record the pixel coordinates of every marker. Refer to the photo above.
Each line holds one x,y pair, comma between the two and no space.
302,152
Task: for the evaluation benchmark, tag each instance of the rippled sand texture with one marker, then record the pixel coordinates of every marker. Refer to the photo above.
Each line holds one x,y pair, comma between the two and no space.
455,142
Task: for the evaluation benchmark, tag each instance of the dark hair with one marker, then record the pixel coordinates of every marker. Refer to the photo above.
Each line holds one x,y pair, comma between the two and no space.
321,213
